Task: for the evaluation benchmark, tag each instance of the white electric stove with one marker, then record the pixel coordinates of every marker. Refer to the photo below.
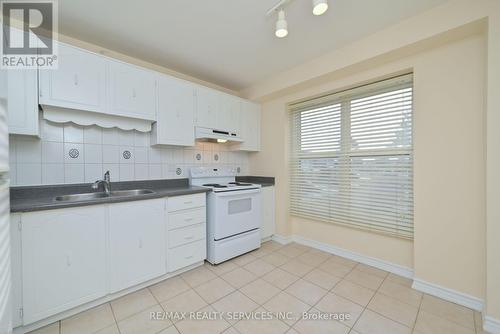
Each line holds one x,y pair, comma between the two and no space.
233,213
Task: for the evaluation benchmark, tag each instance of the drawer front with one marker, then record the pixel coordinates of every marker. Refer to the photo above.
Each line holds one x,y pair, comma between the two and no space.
186,202
186,255
186,218
186,235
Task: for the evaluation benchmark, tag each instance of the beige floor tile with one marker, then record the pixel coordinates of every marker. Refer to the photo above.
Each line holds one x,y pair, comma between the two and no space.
354,292
113,329
313,258
400,292
334,268
307,292
261,252
214,290
394,309
447,310
280,278
343,261
291,251
322,279
188,301
222,268
301,247
260,291
320,325
168,288
400,280
371,270
364,279
170,330
271,246
132,303
239,277
198,276
430,324
373,323
234,302
259,267
332,303
50,329
143,324
244,259
276,259
89,321
297,268
203,325
261,326
284,302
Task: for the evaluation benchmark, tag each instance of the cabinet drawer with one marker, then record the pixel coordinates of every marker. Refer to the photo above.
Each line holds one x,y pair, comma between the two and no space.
186,218
186,202
186,235
186,255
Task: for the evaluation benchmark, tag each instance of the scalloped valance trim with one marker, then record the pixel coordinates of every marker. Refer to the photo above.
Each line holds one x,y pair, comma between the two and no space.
88,118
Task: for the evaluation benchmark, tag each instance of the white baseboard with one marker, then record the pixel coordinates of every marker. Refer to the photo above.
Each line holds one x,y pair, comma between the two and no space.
453,296
371,261
491,325
282,239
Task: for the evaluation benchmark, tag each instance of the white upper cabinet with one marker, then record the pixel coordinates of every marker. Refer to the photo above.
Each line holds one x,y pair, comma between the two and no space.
137,245
131,91
207,104
228,114
22,102
79,82
175,116
249,126
63,260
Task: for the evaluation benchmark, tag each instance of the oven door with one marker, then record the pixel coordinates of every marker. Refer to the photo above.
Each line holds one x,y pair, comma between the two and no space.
236,212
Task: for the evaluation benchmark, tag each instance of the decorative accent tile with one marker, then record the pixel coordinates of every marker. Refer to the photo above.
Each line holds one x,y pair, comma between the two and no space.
73,153
127,155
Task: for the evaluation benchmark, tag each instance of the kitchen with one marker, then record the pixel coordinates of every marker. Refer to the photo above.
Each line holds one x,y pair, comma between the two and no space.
189,186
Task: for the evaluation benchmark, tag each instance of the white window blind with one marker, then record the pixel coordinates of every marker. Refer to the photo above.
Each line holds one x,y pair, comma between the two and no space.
351,158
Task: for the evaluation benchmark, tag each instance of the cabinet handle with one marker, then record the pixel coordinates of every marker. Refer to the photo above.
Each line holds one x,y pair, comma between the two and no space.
188,257
76,79
188,219
133,93
68,260
140,243
188,202
189,238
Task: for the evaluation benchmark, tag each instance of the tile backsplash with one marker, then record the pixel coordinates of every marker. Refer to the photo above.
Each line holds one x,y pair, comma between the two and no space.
68,153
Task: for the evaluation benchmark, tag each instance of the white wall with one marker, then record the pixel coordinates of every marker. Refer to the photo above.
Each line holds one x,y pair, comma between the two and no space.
46,161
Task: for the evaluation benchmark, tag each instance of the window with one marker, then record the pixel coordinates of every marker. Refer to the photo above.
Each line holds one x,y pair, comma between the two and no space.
351,158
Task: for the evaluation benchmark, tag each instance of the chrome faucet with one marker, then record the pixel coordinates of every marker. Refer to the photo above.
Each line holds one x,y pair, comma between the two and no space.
106,182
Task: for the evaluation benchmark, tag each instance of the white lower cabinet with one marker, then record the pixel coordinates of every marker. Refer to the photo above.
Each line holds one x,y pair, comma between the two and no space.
268,209
136,242
63,260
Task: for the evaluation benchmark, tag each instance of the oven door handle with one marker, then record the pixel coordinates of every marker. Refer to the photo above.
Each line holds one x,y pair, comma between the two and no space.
237,192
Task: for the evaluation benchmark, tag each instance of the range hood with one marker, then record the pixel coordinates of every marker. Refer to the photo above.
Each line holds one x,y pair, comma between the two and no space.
218,136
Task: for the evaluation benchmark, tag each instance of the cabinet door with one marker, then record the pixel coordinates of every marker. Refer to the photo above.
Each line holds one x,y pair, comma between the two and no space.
228,115
137,242
250,126
175,119
207,103
16,269
268,209
63,260
22,102
132,91
77,83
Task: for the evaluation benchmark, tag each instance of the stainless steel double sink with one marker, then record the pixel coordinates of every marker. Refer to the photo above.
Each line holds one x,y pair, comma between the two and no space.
97,195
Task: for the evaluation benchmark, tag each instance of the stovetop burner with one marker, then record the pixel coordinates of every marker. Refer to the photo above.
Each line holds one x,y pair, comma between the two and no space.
241,183
215,185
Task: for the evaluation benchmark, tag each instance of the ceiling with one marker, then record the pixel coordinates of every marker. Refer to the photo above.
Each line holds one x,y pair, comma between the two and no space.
230,43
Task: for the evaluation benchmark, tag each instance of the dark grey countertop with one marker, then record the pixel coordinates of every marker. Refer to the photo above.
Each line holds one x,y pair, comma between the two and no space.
265,181
36,198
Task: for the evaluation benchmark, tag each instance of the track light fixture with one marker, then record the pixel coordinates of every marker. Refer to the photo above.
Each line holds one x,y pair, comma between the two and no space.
319,6
281,25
